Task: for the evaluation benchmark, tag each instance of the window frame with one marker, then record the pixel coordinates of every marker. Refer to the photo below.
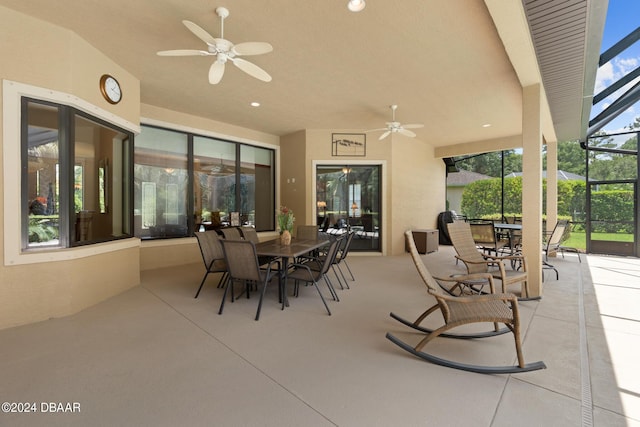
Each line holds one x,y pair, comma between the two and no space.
12,94
191,135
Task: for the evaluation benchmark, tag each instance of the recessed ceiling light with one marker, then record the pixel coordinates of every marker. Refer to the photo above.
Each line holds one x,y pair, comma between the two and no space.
486,125
255,104
356,5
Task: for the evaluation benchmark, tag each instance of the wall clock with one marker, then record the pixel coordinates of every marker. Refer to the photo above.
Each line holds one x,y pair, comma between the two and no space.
110,89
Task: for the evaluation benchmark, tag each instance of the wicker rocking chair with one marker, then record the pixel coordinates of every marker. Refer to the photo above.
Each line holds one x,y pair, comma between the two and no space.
477,262
458,311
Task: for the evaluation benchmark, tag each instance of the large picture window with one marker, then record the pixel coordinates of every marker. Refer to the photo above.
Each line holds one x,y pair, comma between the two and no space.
186,182
76,187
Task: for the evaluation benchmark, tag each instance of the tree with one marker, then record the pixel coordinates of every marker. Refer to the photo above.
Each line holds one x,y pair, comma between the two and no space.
490,164
571,157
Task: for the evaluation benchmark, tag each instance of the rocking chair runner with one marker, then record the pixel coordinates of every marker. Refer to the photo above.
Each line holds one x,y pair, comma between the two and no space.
458,311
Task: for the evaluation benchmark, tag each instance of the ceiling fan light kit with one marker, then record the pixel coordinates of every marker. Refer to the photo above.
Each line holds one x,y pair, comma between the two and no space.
396,127
224,51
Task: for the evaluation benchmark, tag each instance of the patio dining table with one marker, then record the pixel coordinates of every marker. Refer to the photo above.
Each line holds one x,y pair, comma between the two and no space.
508,228
298,247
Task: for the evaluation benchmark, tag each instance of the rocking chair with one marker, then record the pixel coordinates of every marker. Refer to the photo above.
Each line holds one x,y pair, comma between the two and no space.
477,262
458,311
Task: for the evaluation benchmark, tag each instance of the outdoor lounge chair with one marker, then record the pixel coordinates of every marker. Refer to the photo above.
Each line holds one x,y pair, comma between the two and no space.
463,310
477,262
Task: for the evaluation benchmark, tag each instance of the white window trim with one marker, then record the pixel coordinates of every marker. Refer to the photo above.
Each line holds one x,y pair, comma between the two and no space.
12,93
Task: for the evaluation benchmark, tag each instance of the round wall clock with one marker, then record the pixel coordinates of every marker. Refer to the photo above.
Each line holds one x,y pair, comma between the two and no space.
110,89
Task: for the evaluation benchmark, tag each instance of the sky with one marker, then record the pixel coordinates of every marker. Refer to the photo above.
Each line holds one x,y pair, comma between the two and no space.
623,16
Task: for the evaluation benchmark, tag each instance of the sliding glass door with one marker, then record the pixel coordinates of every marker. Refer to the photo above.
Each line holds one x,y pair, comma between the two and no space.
348,198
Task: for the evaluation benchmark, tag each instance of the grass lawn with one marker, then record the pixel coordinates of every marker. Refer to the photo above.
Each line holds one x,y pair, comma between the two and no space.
578,239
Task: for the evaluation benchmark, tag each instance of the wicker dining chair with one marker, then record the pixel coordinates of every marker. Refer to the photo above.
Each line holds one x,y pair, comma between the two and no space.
457,311
477,262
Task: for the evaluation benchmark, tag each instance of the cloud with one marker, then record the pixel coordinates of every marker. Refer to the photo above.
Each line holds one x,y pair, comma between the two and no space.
608,74
604,77
613,71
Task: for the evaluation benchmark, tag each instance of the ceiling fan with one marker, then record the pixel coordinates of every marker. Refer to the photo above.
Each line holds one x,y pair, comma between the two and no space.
224,51
396,127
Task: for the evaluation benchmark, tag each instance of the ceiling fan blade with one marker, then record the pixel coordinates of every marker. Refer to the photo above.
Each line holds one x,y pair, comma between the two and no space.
199,32
407,132
183,52
374,130
384,135
413,126
215,72
252,48
251,69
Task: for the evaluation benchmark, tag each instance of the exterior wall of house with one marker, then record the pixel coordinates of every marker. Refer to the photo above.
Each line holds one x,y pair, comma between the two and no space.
413,181
35,287
172,252
418,186
47,284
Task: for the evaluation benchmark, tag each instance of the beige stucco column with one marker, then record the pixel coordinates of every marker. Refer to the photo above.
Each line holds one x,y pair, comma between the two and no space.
532,184
552,185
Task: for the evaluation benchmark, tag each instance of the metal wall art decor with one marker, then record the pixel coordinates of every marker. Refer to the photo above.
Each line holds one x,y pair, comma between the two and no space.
348,144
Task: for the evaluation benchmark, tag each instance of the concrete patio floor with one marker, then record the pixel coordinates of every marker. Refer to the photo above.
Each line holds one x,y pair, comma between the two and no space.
155,356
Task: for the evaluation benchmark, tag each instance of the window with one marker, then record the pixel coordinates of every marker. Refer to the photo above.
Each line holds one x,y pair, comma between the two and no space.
349,198
257,187
186,182
72,162
161,183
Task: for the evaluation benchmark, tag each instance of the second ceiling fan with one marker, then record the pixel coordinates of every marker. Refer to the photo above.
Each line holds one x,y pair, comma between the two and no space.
396,127
224,51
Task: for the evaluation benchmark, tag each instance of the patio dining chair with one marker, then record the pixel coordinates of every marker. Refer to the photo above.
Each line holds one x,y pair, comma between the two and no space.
307,232
313,271
477,262
485,236
231,233
457,311
250,233
243,265
212,256
341,257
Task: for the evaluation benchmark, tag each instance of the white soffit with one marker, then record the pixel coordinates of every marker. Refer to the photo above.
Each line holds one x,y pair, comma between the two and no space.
566,36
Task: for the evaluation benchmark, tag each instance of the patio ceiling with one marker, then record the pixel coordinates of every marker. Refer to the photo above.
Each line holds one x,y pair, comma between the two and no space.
444,62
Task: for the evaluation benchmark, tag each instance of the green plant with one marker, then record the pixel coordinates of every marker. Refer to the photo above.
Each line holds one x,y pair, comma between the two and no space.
285,219
41,230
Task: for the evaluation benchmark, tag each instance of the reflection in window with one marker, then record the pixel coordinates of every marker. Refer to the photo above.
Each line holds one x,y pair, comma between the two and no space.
161,179
215,177
42,155
67,194
256,187
227,177
348,198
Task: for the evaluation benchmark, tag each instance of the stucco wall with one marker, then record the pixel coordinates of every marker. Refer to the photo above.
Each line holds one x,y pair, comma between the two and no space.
413,181
59,283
